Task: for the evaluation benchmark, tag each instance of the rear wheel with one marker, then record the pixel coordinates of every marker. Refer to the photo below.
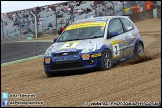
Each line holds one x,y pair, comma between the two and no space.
139,50
106,60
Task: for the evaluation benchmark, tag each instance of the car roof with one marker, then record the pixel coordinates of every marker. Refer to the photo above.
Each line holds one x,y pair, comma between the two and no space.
103,18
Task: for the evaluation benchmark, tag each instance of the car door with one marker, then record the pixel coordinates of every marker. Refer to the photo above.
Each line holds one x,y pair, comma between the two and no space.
117,41
128,36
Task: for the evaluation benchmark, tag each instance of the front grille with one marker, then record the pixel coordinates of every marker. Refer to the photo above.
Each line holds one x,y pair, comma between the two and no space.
66,65
67,53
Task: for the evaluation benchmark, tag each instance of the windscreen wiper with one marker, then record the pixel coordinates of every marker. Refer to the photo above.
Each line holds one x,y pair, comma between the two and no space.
94,37
69,40
73,39
81,38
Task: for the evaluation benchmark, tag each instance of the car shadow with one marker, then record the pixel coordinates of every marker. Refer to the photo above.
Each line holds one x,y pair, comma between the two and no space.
74,72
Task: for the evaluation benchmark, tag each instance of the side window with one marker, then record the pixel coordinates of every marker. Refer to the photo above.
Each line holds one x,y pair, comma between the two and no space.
127,24
115,26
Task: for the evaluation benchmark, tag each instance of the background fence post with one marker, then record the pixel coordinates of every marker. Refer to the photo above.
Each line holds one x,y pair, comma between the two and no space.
35,24
113,8
72,13
2,28
19,22
56,16
94,9
155,13
123,8
27,25
105,7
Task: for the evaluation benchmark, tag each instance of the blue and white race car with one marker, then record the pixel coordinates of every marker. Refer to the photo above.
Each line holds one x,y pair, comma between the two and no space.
94,43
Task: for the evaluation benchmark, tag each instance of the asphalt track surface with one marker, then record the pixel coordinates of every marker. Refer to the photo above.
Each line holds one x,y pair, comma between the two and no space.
21,50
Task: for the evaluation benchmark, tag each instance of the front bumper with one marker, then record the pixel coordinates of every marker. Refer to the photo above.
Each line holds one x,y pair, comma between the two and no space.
73,62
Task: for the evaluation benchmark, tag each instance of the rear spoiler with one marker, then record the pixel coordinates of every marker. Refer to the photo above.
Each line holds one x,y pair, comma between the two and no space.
128,16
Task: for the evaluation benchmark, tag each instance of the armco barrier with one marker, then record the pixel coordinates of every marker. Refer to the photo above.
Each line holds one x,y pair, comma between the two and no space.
148,14
16,38
159,13
142,16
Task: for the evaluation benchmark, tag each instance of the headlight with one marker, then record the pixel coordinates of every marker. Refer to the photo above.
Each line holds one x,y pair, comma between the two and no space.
89,47
48,51
47,54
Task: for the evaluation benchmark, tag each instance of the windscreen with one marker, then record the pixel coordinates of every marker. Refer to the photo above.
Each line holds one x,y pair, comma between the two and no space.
85,30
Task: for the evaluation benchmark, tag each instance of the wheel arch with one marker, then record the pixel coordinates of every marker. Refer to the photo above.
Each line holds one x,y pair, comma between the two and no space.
136,43
104,47
102,50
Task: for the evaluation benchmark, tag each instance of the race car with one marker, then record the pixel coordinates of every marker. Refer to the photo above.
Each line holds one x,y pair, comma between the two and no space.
94,43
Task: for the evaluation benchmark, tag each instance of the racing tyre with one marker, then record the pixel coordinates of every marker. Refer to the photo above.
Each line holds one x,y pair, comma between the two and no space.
139,50
49,74
106,60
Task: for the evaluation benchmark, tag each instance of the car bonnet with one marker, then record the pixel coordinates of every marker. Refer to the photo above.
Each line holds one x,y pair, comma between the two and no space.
74,45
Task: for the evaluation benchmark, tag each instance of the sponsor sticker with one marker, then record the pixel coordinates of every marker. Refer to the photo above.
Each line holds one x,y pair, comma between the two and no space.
125,42
106,41
95,55
121,41
114,42
86,24
127,52
102,28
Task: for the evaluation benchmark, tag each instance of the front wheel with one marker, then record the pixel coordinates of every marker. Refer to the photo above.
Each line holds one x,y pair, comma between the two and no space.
106,60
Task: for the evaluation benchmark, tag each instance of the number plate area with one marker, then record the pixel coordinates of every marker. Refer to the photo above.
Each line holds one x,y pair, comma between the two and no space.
65,58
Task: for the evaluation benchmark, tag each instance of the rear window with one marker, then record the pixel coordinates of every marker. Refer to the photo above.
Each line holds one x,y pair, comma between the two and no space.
127,24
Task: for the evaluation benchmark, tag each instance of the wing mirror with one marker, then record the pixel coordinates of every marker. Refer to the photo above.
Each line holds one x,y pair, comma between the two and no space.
54,40
112,34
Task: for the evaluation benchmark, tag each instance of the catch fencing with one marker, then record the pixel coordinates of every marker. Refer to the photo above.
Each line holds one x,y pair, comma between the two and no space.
48,20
